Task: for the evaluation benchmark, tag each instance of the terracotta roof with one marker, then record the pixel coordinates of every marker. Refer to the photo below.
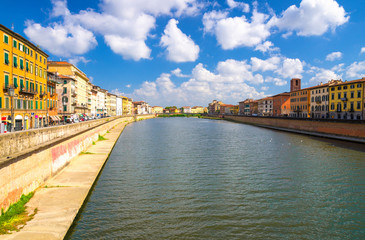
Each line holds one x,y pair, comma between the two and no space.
58,63
282,94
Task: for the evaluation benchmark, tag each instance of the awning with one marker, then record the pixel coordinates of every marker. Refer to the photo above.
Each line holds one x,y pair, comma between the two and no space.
53,118
58,118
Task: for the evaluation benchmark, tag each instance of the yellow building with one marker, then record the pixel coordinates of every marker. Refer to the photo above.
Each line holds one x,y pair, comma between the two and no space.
197,109
157,109
346,99
82,85
127,105
23,67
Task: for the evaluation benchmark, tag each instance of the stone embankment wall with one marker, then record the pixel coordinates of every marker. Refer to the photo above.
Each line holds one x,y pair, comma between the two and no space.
13,143
25,173
346,129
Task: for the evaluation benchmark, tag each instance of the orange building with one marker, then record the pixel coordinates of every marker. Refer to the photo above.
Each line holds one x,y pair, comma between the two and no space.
281,105
300,103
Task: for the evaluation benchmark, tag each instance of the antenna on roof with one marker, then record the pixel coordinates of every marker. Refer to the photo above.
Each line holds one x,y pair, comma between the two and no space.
12,27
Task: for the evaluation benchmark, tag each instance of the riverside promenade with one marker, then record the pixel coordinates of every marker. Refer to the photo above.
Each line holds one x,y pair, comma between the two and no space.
60,198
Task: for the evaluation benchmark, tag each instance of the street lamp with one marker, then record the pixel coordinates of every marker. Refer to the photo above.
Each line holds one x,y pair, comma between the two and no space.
63,110
11,94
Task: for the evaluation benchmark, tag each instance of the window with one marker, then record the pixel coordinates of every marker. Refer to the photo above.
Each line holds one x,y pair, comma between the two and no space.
19,104
333,89
21,63
31,54
15,82
40,58
352,86
25,104
339,95
338,88
41,105
65,108
6,39
359,94
64,90
27,84
345,94
65,82
36,104
15,59
344,87
14,43
352,95
6,58
31,68
40,71
6,78
358,105
27,66
344,106
359,85
7,103
21,47
21,83
36,70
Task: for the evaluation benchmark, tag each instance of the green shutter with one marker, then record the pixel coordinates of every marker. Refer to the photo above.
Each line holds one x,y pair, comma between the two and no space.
14,43
7,103
1,102
6,81
27,66
21,83
6,58
36,104
27,85
15,61
15,82
41,105
6,39
21,64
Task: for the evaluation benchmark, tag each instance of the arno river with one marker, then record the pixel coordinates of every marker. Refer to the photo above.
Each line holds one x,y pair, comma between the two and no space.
188,178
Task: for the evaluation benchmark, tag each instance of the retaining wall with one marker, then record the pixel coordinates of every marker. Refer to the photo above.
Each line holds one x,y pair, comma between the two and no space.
26,173
345,129
15,142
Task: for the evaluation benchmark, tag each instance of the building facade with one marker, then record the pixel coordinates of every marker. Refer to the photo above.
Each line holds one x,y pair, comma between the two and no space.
346,100
265,106
52,99
281,105
197,109
186,109
157,109
214,107
119,111
66,92
319,100
82,84
23,79
299,103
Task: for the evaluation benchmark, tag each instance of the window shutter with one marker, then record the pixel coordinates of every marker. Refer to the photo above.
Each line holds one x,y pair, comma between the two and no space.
6,81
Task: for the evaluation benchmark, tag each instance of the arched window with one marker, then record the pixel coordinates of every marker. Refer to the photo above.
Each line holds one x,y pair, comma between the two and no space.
65,99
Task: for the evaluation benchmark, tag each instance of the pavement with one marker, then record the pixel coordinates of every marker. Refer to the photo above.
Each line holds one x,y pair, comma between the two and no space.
60,199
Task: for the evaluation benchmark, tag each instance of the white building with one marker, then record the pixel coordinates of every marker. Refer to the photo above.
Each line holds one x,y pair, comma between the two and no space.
119,106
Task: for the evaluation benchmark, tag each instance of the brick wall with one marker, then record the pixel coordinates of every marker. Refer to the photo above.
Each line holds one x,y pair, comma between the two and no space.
348,129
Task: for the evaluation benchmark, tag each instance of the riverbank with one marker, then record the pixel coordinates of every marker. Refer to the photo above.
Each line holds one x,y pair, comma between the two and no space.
60,198
342,130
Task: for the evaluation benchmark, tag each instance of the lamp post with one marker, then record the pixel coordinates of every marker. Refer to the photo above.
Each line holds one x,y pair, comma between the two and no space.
11,94
63,111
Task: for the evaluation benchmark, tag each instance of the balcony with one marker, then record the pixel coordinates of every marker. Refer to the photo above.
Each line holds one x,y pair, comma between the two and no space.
319,102
6,87
42,94
24,90
338,110
344,99
74,94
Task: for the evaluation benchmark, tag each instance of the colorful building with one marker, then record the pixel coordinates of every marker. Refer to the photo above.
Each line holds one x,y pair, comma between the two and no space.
23,80
82,87
52,99
300,103
281,105
214,107
66,92
346,100
186,109
157,109
197,109
319,100
265,106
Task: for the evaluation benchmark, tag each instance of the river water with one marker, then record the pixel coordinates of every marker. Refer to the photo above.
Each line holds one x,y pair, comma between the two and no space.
189,178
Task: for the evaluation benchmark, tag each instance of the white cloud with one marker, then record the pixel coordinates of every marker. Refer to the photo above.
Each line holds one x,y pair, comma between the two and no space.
338,68
270,64
125,25
210,20
334,56
61,40
244,6
362,50
128,86
264,88
228,84
177,73
128,48
267,46
323,75
356,70
75,60
237,31
276,81
290,68
312,17
117,92
179,47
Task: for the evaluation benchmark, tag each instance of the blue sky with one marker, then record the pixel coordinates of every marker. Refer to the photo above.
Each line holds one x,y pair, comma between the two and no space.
189,52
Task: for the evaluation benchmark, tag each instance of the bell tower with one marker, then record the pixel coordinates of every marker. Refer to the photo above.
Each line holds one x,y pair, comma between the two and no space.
295,84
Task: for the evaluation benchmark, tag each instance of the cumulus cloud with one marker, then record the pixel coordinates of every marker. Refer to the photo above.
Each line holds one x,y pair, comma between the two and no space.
323,75
362,50
276,81
334,56
61,40
76,60
267,46
356,70
237,31
244,6
290,68
125,25
117,92
128,48
312,17
270,64
177,72
179,47
230,83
